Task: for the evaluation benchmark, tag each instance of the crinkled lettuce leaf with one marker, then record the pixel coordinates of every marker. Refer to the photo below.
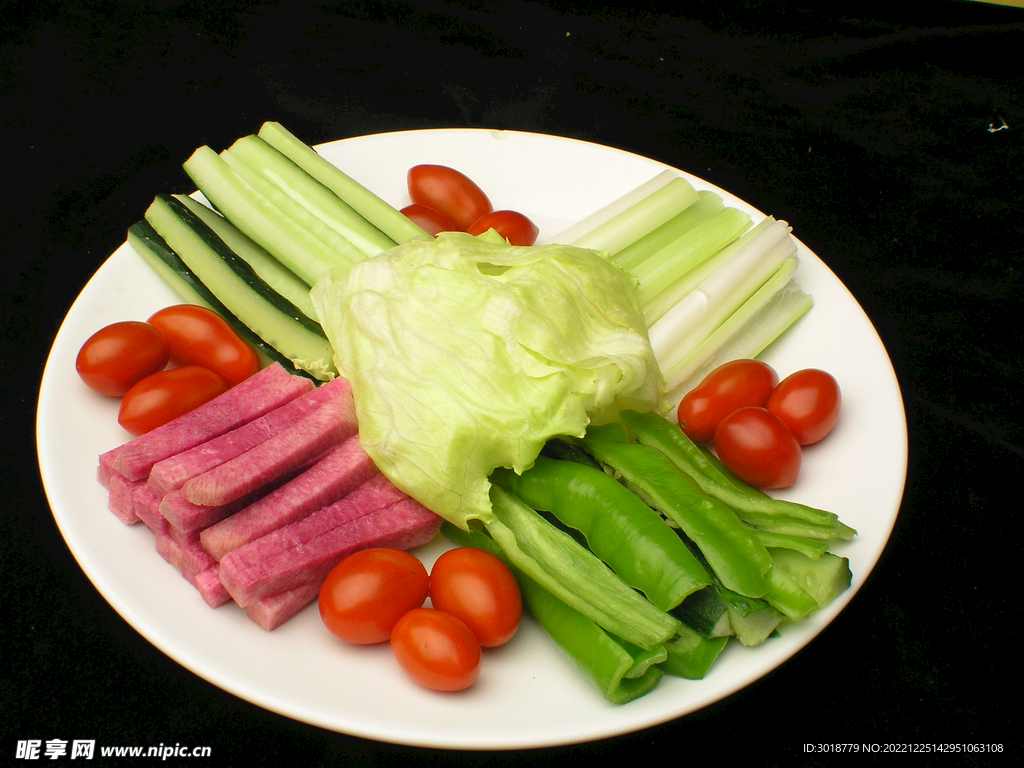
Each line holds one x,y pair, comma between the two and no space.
466,354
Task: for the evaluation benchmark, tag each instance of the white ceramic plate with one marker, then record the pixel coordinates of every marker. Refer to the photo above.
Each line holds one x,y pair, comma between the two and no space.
528,695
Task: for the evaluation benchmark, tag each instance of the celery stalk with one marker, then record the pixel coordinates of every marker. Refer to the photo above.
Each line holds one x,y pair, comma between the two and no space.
630,225
613,209
663,242
704,309
777,305
671,296
703,242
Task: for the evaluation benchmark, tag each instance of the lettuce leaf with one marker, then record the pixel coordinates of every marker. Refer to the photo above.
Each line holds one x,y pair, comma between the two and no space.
466,354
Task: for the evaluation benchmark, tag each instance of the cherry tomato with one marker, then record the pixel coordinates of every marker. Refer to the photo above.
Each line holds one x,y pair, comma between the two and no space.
758,448
166,395
808,402
730,386
436,650
430,220
478,588
120,355
369,591
449,192
511,225
199,336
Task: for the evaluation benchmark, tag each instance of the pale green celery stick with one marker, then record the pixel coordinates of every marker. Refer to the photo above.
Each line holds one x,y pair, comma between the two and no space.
673,295
299,213
702,243
573,574
310,194
750,328
260,219
632,224
385,217
276,274
722,293
663,242
613,209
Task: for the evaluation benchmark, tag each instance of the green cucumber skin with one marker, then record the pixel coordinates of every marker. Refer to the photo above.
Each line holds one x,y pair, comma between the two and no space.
270,316
155,251
274,273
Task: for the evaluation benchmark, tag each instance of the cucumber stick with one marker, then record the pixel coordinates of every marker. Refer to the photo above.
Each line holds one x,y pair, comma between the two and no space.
254,156
275,320
295,211
257,216
168,265
273,272
383,216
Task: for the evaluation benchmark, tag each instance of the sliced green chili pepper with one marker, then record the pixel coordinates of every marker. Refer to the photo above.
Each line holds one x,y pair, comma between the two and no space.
690,655
619,527
621,671
574,574
730,548
654,430
805,546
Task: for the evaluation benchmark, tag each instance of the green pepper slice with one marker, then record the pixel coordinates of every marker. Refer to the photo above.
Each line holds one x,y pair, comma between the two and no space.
620,670
729,547
750,504
574,574
619,527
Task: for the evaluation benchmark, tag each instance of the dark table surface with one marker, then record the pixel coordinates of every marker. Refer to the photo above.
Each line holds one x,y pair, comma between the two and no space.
891,139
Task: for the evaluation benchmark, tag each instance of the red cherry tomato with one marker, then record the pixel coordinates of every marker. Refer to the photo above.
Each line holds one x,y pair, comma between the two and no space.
430,220
511,225
199,336
121,355
475,586
366,594
436,650
732,385
166,395
758,448
449,192
808,402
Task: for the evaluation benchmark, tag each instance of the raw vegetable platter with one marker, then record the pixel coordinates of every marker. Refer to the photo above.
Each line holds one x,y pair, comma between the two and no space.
528,695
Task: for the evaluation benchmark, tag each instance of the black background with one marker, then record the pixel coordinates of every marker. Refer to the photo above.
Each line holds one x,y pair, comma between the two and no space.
890,138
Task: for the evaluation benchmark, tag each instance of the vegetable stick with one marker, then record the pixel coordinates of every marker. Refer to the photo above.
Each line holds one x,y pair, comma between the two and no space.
331,478
280,563
282,454
173,472
273,611
613,209
257,395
